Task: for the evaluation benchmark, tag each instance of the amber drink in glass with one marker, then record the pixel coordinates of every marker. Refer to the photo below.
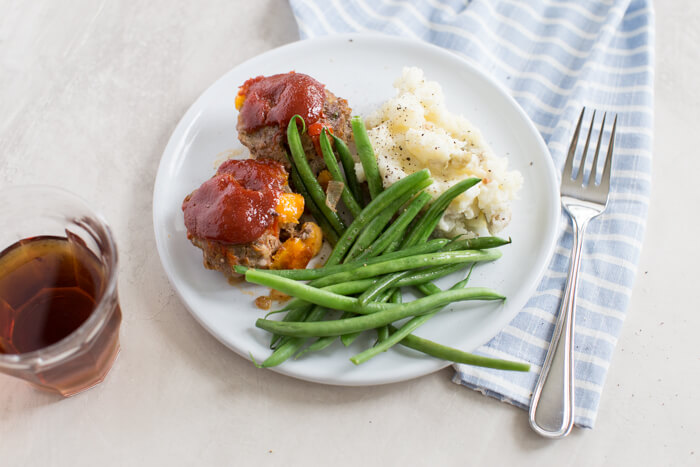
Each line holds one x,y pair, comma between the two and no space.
59,311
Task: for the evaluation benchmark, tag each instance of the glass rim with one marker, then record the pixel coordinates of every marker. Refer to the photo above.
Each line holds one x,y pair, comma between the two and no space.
74,342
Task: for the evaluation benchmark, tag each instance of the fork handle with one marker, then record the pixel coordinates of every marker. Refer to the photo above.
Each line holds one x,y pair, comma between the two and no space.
552,408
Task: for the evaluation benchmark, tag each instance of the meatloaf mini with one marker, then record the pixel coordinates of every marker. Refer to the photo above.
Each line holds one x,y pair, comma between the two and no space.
246,214
266,104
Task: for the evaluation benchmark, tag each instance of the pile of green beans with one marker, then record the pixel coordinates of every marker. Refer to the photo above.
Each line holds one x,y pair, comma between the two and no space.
384,248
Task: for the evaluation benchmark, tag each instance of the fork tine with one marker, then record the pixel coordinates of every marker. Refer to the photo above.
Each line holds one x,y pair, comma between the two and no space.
591,179
605,181
582,165
568,165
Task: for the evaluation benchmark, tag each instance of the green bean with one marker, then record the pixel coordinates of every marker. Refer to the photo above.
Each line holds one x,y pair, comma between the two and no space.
328,232
479,243
423,229
429,288
429,274
415,278
309,181
394,244
430,246
316,346
450,354
388,314
463,283
349,338
383,297
322,342
351,287
344,288
349,168
367,157
397,228
294,304
381,285
334,170
375,227
299,314
369,233
383,331
410,262
282,352
290,346
396,336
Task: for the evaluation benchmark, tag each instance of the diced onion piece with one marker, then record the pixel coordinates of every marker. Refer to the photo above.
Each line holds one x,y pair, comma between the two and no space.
333,193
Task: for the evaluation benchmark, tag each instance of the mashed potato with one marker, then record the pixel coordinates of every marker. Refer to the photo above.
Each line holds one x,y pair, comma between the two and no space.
414,130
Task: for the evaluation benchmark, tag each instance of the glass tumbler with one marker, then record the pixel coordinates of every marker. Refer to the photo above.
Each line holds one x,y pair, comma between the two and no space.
61,335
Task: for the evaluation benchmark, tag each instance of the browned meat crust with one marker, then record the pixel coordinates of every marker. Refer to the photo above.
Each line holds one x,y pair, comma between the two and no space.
222,257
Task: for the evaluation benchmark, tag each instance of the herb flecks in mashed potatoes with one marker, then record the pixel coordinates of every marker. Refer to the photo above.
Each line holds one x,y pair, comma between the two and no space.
414,130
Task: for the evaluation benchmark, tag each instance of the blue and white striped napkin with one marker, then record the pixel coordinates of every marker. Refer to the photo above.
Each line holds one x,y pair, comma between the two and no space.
554,56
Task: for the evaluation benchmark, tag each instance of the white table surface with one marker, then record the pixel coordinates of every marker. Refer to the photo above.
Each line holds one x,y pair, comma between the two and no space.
90,92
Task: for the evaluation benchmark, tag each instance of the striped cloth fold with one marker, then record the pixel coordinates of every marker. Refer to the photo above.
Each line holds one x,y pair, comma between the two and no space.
554,56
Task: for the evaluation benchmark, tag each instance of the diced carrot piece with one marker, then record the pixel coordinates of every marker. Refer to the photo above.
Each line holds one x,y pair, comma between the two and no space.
240,99
290,207
323,178
314,241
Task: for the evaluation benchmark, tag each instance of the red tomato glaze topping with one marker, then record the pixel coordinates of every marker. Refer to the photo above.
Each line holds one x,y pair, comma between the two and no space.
256,174
274,100
237,205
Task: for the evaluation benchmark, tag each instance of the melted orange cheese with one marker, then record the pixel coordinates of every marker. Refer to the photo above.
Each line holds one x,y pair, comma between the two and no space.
295,253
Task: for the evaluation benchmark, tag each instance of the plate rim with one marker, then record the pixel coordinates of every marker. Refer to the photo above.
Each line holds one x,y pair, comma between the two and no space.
553,211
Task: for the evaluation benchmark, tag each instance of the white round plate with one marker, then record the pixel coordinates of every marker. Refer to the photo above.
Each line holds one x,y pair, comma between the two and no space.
360,68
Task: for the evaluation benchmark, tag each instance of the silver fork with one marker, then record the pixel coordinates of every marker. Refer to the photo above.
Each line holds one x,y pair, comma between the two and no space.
552,408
